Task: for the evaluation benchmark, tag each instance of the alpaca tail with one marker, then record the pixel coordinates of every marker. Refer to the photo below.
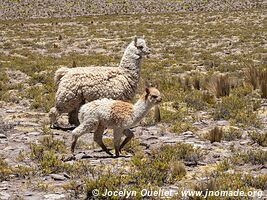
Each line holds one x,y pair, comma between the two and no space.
60,73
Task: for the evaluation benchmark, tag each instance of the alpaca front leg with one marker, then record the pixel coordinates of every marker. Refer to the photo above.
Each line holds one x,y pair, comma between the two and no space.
117,140
78,132
129,135
98,138
53,115
157,116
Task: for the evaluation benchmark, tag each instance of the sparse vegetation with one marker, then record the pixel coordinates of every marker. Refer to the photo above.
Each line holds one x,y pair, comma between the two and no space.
209,66
255,157
215,134
260,138
232,134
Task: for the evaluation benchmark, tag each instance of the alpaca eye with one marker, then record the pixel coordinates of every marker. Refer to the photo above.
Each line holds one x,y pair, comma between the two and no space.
140,47
154,96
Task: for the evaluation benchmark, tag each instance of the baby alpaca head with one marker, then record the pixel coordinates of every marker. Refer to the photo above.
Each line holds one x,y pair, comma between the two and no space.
152,96
139,48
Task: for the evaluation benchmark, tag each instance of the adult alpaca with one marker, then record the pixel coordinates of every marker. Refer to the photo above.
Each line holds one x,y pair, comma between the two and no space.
85,84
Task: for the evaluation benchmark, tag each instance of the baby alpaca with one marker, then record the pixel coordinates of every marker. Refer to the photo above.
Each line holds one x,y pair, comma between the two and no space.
115,114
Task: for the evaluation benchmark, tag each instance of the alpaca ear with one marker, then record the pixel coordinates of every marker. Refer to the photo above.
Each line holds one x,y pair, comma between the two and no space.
135,41
143,36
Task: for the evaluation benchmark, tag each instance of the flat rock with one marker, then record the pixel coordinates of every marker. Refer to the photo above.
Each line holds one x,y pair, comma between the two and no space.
222,123
29,124
28,194
58,177
54,196
2,136
244,142
33,133
197,123
11,111
79,156
188,134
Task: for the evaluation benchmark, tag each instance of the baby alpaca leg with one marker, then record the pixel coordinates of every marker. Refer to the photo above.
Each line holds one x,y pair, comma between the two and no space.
117,140
98,138
129,135
81,130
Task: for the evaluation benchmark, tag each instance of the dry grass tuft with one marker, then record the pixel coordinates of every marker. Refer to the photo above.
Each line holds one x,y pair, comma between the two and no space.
222,86
215,135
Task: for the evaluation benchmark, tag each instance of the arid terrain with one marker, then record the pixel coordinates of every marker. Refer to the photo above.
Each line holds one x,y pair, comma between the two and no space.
211,68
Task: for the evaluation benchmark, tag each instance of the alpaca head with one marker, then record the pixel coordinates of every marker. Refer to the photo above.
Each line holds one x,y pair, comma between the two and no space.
138,48
152,96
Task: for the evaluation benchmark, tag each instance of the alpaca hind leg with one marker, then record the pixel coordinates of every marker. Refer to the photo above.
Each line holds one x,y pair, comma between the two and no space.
98,138
117,140
73,117
81,130
129,135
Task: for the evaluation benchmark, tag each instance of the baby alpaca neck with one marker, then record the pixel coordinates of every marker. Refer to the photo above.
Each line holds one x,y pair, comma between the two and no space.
141,108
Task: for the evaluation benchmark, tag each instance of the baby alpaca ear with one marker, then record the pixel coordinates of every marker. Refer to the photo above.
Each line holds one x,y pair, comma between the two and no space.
135,41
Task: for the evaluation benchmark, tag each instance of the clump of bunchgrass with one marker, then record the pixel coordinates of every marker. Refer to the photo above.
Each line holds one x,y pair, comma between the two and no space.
215,134
222,86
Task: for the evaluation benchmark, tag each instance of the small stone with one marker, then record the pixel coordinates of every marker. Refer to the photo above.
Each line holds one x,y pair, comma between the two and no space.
244,142
2,136
10,111
66,175
188,134
28,194
33,133
197,123
222,123
58,177
79,156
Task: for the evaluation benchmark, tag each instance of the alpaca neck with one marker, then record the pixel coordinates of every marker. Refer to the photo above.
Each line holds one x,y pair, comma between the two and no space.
141,108
131,63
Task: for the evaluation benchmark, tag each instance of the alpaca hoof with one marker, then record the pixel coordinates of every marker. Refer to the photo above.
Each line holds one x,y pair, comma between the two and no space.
117,155
54,126
109,153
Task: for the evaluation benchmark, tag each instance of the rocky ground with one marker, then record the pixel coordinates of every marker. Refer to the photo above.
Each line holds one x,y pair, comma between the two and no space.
207,139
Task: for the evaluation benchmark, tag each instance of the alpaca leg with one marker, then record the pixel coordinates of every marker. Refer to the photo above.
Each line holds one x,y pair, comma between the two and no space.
81,130
53,115
129,135
68,102
98,138
157,116
117,140
73,117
